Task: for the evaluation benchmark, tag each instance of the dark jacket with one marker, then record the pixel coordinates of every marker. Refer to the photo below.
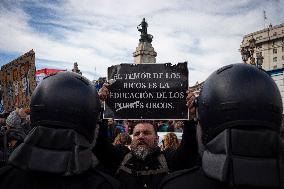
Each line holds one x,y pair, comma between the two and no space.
148,173
196,178
189,178
14,178
56,158
236,158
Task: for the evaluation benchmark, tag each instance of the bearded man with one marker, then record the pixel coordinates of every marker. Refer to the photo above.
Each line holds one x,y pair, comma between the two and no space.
144,164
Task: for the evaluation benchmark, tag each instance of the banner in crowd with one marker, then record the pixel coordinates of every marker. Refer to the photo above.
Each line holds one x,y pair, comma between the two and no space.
18,81
147,91
40,74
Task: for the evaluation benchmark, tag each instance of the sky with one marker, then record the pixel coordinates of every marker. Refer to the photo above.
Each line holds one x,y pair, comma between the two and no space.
100,33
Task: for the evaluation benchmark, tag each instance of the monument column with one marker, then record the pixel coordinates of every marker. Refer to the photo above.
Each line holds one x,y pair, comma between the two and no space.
144,53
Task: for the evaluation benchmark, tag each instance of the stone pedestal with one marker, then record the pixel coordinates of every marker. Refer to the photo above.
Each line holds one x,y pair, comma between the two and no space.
144,53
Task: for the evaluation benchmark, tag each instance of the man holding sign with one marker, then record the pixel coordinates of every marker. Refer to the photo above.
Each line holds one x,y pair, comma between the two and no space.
154,93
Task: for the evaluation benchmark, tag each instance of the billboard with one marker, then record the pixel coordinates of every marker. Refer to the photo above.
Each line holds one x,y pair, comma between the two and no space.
18,81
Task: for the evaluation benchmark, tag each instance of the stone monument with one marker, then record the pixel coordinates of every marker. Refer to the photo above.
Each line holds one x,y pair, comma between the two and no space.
144,53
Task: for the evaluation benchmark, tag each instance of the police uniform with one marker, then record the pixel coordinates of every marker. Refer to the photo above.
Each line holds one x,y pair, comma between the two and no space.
57,153
240,114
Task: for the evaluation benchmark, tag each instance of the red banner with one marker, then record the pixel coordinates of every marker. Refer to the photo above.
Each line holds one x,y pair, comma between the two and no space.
40,74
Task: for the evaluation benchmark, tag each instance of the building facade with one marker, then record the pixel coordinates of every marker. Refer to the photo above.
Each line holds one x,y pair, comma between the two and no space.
278,76
267,44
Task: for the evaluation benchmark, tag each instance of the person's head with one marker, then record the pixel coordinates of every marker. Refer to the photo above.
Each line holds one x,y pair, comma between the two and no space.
238,97
110,122
66,100
179,125
122,138
21,112
145,139
170,141
126,123
13,120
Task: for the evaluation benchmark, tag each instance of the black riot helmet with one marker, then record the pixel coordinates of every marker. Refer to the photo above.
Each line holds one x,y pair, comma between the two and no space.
238,95
67,100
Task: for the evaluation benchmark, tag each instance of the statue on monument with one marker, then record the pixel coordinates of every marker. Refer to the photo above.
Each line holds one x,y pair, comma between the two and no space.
144,37
76,69
144,53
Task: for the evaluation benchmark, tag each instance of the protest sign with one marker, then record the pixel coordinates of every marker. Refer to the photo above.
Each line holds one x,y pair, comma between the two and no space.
18,81
147,91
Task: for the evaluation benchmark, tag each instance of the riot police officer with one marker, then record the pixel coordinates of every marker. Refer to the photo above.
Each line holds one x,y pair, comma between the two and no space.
240,114
57,152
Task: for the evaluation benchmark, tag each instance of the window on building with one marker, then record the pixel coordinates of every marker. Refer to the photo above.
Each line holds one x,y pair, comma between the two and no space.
274,59
283,57
274,51
282,49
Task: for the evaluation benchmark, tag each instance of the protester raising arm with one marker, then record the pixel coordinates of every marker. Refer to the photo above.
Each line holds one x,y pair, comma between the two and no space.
109,155
184,157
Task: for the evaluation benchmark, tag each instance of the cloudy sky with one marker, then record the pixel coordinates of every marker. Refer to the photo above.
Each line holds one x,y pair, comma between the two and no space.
101,33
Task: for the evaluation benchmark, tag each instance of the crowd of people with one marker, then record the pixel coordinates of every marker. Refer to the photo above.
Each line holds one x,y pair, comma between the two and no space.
14,128
127,126
16,125
232,139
